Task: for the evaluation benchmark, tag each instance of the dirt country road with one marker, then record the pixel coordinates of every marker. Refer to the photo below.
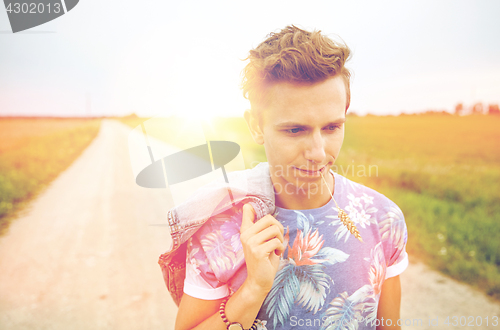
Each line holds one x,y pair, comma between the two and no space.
84,256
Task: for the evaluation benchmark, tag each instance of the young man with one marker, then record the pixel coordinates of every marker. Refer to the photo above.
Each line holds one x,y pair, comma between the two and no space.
304,270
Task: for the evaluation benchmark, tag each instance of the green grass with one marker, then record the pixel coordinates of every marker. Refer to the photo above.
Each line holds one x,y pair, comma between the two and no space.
444,173
33,152
223,129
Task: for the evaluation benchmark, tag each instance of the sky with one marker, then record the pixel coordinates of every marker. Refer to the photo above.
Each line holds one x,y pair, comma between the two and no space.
153,57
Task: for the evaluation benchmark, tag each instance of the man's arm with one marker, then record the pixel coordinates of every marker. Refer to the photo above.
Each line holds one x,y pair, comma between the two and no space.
242,307
389,304
262,244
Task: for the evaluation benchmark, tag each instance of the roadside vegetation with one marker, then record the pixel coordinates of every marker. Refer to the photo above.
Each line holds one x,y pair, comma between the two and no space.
444,173
33,151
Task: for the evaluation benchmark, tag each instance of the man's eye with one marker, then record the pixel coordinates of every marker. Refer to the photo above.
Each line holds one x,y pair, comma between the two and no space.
294,130
333,127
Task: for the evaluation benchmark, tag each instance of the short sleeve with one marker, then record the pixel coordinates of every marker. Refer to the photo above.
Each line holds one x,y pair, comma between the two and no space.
200,282
214,256
394,236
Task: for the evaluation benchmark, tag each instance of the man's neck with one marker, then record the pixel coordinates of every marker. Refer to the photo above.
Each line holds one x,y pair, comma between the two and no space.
306,199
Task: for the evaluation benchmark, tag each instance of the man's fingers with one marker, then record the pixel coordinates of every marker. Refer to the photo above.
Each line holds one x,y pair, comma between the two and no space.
248,217
274,246
267,234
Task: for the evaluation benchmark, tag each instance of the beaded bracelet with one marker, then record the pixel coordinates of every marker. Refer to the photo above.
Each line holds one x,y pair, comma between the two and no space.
232,325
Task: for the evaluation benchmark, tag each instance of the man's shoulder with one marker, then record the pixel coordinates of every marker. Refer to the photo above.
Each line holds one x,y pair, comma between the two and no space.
351,189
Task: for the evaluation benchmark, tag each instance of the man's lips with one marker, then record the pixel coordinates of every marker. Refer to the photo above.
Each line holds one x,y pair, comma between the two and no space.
312,171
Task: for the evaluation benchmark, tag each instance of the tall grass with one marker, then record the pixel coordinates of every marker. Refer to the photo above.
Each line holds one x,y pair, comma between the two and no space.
444,173
218,129
33,152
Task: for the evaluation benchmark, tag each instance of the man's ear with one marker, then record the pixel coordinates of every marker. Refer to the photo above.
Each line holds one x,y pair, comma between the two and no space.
253,126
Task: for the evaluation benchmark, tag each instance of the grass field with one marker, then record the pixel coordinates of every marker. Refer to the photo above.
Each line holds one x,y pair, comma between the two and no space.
224,129
33,151
444,173
442,170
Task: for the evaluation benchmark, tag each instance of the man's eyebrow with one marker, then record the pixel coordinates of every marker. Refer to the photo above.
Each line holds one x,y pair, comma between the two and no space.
294,124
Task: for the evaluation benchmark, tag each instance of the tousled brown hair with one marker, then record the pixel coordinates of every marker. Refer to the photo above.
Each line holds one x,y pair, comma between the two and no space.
296,56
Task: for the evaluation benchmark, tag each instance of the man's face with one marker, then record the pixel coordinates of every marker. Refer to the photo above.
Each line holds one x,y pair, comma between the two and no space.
303,131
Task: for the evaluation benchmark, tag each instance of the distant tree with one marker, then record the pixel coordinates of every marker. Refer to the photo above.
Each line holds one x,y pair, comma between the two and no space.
477,108
434,113
493,109
459,108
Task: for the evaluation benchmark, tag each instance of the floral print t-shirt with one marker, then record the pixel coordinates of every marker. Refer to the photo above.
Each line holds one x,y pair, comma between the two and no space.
327,279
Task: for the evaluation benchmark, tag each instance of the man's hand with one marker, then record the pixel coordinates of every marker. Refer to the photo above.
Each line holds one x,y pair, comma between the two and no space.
262,245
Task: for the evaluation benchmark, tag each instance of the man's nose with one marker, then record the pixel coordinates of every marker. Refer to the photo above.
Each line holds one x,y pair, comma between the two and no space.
316,148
